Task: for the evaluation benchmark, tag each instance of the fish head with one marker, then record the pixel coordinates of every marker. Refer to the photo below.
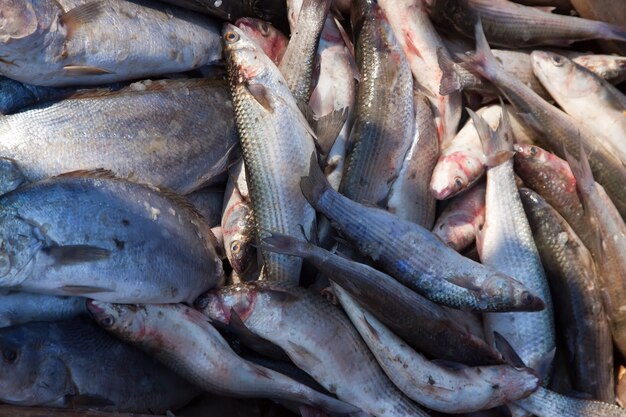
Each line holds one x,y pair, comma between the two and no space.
532,162
238,239
18,19
126,321
503,292
454,173
222,305
269,39
560,75
10,176
456,231
246,60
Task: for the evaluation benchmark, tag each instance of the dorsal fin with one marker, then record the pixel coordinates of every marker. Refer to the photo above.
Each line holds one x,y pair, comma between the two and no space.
89,173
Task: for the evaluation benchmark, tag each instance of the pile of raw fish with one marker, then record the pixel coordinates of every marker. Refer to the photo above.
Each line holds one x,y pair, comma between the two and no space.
259,208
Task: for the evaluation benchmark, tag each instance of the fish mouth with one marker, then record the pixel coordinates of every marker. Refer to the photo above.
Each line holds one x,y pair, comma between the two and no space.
93,308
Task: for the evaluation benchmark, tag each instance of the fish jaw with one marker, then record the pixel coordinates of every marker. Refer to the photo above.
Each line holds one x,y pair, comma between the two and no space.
221,305
454,173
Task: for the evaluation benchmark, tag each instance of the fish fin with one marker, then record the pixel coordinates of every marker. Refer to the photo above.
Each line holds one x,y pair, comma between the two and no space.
455,366
371,328
581,170
89,401
545,365
450,82
303,351
529,120
315,184
237,325
99,173
83,289
347,39
612,32
78,16
328,128
317,68
261,95
75,254
281,295
507,351
78,70
482,60
545,9
284,244
497,146
423,90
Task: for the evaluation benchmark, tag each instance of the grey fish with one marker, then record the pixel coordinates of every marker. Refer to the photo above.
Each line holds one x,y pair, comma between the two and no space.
21,307
558,129
69,42
546,403
146,128
379,138
416,257
425,325
277,144
573,281
82,234
52,364
510,24
449,390
318,338
208,202
506,243
182,339
410,197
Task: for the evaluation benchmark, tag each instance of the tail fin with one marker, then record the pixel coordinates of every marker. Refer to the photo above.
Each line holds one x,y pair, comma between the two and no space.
314,185
482,60
498,144
450,81
286,245
612,32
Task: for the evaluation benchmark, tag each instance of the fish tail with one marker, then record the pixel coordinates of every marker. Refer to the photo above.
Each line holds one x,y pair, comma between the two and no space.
286,245
450,82
498,145
482,60
314,185
612,32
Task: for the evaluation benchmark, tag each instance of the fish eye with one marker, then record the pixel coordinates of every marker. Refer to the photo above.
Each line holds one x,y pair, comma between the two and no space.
533,150
107,321
231,37
527,298
235,247
9,355
557,60
458,182
265,29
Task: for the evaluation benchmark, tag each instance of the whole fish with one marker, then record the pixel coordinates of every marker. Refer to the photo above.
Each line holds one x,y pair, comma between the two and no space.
421,43
510,24
379,138
298,64
83,234
546,403
591,101
457,224
147,129
609,247
53,364
462,163
425,325
69,42
558,129
277,145
21,307
450,390
238,225
416,257
318,338
410,197
183,340
505,243
578,306
270,39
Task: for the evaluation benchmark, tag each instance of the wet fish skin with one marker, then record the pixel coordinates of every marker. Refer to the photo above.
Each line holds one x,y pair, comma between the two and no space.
19,308
52,364
416,257
183,340
572,274
510,24
270,39
153,247
421,43
591,101
231,10
379,138
557,128
546,403
610,67
277,145
410,197
147,129
422,323
68,42
318,338
457,224
208,202
442,389
609,246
